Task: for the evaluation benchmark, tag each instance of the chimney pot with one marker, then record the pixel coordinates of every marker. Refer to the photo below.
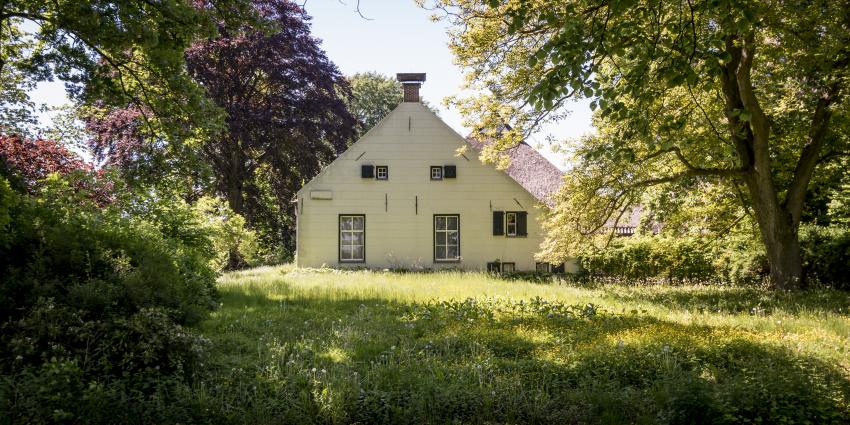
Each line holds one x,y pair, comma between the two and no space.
410,83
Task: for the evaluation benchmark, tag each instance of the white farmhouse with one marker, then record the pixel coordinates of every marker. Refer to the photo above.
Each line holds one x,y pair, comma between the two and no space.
403,197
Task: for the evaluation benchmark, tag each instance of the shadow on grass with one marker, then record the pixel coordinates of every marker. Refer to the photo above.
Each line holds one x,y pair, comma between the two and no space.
369,360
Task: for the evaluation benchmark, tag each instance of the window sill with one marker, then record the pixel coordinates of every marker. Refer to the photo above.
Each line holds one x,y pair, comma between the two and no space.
446,261
351,261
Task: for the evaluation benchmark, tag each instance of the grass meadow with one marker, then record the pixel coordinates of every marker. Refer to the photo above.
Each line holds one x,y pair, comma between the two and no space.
323,346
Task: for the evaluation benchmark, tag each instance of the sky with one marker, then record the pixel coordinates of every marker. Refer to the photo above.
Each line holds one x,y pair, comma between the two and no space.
397,37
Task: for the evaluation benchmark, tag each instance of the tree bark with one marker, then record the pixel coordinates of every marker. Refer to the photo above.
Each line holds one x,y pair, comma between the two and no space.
778,226
779,234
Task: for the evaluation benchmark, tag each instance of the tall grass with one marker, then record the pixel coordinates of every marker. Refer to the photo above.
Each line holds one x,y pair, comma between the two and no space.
322,346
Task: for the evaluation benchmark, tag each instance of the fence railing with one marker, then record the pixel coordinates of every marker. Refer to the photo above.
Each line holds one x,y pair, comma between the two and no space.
624,230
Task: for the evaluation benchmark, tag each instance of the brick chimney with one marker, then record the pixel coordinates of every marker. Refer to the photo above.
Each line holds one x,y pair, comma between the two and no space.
410,83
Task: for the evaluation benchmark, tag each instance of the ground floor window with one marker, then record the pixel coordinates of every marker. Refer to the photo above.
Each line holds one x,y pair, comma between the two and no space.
352,238
543,268
447,237
508,267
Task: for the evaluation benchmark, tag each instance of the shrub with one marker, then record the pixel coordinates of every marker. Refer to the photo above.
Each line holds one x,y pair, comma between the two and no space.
93,299
650,258
826,255
234,244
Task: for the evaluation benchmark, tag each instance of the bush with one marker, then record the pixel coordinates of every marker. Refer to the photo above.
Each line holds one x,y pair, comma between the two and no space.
93,300
732,259
234,244
826,255
650,258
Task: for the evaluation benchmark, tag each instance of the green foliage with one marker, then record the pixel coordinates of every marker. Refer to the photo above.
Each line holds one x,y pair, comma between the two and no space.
228,234
735,259
747,96
8,200
674,260
93,303
301,346
826,255
122,51
373,97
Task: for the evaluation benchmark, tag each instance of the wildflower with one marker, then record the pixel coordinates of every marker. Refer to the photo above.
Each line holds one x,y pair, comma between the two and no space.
314,370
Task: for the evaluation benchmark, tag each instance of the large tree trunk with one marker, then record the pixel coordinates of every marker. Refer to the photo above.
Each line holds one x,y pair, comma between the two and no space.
781,243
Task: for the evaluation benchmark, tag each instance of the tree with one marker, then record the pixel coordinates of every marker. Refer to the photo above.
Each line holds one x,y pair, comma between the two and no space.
286,116
373,96
124,51
747,94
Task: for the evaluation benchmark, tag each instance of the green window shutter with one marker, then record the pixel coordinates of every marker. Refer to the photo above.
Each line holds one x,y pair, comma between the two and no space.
498,223
367,171
521,223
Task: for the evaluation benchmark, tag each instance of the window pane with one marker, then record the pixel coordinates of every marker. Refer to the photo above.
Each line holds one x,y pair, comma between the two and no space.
357,253
358,222
441,253
346,238
345,223
345,252
357,238
451,252
452,238
440,238
440,223
451,223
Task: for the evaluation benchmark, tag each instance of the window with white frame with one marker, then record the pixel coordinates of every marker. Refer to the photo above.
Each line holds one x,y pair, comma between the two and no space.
543,267
352,238
382,172
436,173
510,224
508,267
446,238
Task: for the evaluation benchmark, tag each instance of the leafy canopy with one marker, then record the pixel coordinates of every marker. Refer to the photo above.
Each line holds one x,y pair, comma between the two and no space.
746,94
123,52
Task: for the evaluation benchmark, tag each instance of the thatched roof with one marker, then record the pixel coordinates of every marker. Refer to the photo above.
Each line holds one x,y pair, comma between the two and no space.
531,170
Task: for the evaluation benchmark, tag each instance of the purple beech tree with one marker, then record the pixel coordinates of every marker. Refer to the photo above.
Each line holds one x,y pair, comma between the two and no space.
286,117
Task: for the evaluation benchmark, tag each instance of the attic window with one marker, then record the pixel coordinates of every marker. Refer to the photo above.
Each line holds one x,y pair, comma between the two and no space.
436,172
449,171
510,223
382,172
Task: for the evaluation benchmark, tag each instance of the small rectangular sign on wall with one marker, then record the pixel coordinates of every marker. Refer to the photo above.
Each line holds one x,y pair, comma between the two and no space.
321,194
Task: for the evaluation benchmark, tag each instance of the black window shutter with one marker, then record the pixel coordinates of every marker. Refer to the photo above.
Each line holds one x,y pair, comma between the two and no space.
367,171
498,223
449,171
521,223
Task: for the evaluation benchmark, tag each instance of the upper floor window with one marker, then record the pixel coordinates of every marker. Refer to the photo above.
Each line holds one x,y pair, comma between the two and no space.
382,172
436,172
511,224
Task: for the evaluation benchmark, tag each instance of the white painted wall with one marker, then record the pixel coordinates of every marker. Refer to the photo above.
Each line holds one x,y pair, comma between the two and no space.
409,141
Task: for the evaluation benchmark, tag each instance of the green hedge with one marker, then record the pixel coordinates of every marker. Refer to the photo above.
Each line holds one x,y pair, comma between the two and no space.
735,260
